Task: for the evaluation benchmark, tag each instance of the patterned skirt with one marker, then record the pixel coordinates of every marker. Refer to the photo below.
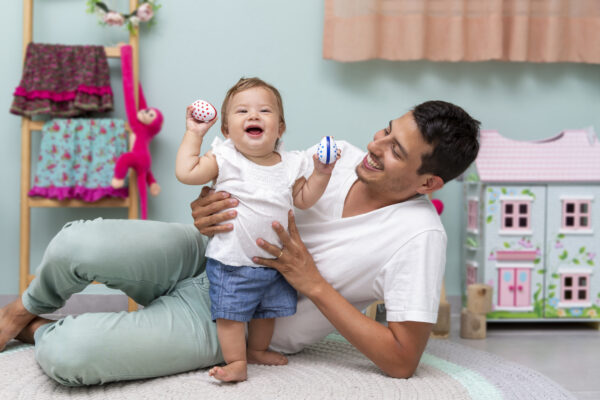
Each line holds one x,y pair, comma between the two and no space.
63,81
77,159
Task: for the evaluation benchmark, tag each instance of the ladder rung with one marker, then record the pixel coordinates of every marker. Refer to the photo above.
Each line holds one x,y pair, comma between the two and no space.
109,202
113,52
38,125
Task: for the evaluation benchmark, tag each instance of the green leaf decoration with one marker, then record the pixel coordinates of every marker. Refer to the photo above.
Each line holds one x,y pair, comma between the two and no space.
488,219
555,276
504,191
590,262
582,250
491,201
472,177
537,260
575,261
564,255
506,245
472,242
561,235
551,287
490,190
599,295
541,271
551,295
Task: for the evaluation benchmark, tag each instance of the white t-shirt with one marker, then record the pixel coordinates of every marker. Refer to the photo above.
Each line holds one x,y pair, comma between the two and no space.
396,254
264,194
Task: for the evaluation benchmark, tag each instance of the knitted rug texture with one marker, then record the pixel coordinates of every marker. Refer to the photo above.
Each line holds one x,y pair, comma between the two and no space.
331,369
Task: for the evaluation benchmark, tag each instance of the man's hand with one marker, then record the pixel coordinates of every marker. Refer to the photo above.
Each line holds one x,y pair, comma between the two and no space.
293,260
207,211
194,126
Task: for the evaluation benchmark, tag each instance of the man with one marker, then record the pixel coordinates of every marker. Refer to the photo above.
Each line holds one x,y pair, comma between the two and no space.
373,235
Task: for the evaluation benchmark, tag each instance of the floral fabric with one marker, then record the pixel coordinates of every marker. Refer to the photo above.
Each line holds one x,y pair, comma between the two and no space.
77,159
63,81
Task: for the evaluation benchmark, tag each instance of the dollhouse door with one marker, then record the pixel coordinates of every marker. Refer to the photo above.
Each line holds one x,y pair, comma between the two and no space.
506,291
514,287
522,287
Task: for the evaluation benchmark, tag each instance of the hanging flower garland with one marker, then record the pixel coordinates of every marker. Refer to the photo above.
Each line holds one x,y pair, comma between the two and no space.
143,13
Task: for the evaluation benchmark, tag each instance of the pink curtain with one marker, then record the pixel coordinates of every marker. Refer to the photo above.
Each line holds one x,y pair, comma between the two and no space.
463,30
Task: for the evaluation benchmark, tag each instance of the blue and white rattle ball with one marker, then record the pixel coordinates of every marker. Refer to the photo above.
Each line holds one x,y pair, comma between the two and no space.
327,150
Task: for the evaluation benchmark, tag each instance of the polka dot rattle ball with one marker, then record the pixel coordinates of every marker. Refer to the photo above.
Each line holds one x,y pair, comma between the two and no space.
327,150
203,111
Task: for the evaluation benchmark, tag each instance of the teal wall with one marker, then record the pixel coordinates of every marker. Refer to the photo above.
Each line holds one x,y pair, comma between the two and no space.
198,49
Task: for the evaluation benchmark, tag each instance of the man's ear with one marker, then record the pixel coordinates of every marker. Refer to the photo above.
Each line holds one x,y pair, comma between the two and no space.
432,184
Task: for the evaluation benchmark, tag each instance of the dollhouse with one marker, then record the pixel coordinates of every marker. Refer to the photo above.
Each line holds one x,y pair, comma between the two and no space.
532,227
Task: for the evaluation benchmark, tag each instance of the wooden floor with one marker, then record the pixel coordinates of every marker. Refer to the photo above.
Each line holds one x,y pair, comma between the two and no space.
568,353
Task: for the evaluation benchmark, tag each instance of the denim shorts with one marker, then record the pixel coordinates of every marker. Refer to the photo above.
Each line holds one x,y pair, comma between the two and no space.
245,293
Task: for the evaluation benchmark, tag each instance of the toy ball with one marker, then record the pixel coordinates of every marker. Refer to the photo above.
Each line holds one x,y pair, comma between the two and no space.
327,150
203,111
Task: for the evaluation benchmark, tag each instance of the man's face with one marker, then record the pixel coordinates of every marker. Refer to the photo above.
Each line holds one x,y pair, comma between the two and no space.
393,158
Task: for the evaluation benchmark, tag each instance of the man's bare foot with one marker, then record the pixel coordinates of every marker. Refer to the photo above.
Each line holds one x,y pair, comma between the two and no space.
26,335
13,318
232,372
265,357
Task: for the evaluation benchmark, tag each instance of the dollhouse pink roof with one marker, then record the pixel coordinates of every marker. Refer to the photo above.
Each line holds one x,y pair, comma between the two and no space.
571,156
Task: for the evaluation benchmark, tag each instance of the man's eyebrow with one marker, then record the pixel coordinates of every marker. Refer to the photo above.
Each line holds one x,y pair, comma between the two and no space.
400,147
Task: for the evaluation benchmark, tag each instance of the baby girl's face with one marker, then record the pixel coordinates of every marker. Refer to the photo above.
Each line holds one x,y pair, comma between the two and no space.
253,122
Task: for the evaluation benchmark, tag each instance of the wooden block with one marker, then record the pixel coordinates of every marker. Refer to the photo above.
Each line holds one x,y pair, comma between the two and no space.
441,329
479,298
371,311
472,326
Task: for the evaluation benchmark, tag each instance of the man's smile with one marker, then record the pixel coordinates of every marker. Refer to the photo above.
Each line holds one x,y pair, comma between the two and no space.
370,162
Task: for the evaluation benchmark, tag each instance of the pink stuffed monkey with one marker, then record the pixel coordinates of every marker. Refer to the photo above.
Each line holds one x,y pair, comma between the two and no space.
145,124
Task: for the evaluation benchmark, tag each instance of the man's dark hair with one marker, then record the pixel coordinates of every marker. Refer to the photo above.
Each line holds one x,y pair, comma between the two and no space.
453,134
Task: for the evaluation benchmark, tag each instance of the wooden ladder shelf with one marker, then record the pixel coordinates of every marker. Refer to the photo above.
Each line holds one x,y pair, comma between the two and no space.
28,126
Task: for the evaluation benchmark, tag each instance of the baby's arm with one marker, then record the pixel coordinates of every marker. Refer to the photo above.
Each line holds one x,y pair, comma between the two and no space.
189,167
306,192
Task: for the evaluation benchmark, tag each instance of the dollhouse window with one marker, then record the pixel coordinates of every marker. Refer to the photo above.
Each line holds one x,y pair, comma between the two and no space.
471,273
575,289
516,214
576,214
472,214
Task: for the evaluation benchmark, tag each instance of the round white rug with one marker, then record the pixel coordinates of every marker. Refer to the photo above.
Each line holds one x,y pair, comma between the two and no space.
331,369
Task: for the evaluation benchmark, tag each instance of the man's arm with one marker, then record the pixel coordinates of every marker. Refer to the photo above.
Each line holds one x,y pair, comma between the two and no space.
395,349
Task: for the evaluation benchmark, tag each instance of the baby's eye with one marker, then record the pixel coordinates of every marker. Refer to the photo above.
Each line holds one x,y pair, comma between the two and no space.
241,110
267,110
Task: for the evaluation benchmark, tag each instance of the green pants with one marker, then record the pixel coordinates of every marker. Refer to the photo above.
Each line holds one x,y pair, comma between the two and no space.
159,265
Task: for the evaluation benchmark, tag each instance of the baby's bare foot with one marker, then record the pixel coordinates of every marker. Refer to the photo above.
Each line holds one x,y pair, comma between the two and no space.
232,372
13,319
265,357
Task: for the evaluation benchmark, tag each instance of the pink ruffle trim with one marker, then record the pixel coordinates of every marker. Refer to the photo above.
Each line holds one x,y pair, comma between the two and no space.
62,96
78,192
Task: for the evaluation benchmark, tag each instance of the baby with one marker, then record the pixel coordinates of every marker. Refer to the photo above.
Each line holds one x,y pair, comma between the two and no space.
266,181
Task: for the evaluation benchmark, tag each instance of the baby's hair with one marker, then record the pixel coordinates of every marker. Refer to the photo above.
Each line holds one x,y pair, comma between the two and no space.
245,84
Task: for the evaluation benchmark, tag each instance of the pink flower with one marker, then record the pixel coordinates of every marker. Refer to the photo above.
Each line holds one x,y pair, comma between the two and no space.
113,18
145,12
558,245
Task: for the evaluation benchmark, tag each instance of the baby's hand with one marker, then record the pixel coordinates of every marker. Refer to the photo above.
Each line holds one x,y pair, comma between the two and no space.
193,125
325,169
